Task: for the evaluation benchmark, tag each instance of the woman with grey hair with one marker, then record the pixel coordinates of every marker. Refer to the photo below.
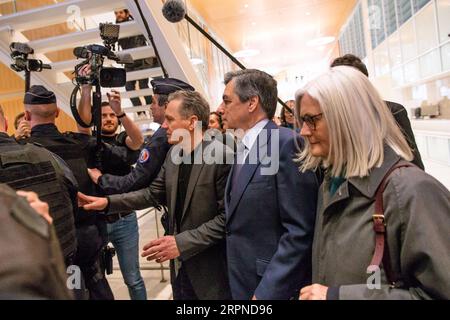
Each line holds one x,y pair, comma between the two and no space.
382,227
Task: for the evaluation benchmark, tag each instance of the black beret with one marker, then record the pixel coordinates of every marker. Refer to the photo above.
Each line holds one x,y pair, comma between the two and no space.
39,95
169,85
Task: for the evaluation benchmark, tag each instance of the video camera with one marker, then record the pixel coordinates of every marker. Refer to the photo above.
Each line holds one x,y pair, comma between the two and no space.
100,76
19,54
95,55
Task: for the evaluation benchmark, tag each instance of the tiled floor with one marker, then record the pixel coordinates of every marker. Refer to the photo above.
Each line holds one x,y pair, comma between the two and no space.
157,287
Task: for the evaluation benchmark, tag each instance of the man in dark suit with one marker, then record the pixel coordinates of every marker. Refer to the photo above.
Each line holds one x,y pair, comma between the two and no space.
397,110
191,183
270,206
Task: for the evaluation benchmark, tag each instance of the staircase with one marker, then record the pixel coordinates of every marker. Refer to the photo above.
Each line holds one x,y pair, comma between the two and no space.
85,15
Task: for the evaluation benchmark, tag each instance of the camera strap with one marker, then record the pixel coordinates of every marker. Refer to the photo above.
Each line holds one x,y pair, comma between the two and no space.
73,108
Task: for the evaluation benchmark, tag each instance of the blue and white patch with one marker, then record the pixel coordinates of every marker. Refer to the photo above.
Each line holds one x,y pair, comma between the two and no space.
144,156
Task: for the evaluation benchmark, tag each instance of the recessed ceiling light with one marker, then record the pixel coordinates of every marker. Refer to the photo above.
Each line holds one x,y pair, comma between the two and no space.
320,41
245,6
308,13
253,23
196,61
246,53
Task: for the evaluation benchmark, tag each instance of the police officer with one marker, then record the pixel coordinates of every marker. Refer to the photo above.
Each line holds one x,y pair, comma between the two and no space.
78,150
154,151
33,168
31,265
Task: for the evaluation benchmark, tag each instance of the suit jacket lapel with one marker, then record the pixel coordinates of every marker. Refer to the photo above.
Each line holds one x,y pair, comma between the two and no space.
246,174
173,195
248,170
227,192
195,174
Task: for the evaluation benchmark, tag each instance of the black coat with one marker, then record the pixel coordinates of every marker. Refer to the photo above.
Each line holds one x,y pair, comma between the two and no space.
401,117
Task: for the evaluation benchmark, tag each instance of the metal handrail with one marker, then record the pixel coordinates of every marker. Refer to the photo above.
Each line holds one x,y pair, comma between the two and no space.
161,267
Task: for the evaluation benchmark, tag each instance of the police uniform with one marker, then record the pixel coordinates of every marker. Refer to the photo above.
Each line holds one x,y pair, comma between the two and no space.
31,265
78,151
153,153
33,168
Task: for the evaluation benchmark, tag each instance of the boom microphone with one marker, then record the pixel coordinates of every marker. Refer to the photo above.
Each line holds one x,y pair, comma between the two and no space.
174,10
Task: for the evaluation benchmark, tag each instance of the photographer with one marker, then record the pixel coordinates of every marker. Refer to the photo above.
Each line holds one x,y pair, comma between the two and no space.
122,228
123,15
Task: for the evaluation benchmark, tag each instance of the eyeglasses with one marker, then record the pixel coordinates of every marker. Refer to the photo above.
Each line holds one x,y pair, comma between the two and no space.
310,121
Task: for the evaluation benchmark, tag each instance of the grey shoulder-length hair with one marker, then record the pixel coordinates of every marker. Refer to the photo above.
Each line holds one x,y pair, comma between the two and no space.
359,124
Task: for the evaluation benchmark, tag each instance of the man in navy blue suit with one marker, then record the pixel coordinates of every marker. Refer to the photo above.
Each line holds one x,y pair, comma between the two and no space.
270,206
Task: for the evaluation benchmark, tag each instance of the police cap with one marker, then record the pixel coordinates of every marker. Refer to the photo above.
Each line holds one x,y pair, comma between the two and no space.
39,95
169,85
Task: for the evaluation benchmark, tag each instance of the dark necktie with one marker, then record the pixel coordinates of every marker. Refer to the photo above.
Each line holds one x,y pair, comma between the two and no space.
239,163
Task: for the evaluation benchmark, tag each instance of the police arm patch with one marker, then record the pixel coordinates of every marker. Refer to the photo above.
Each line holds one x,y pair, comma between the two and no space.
144,156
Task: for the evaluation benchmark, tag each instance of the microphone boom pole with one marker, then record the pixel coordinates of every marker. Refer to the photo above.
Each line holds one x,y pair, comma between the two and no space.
175,10
217,44
225,51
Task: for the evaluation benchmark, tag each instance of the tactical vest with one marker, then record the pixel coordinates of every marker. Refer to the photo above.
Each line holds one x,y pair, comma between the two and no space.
31,265
28,167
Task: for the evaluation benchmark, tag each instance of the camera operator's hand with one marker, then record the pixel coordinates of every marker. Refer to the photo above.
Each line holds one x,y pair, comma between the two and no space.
114,101
85,71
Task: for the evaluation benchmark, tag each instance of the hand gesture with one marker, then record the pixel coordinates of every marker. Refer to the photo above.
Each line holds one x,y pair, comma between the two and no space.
161,249
91,203
114,101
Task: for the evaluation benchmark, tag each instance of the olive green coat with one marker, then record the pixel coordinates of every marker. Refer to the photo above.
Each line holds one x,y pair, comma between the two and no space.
417,210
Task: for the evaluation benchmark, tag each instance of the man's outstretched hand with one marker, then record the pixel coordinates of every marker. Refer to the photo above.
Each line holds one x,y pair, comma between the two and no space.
92,203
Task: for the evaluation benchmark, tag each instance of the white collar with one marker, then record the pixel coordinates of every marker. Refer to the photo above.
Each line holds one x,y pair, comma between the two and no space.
251,135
